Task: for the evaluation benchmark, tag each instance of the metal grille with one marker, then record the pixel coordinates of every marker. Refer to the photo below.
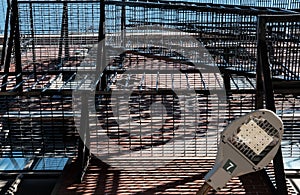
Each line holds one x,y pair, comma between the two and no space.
288,109
37,126
55,37
284,49
52,40
281,35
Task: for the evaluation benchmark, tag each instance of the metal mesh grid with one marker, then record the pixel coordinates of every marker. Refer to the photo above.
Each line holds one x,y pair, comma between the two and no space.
288,110
56,31
62,36
37,126
284,49
229,34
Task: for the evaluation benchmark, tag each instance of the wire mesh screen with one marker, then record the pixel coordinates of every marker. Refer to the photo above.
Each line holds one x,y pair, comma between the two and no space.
284,49
286,4
293,4
56,36
37,126
288,109
54,32
152,115
146,100
282,41
230,36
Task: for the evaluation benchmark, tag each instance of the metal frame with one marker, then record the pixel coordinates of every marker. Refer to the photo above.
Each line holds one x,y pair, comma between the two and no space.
265,91
263,83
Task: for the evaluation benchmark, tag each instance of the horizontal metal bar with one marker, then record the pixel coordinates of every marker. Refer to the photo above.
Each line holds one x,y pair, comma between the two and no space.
205,7
69,92
281,18
30,174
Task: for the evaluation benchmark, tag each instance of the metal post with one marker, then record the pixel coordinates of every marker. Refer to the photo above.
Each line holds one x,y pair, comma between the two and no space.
13,40
64,34
265,84
101,53
18,61
8,51
3,55
33,41
259,100
101,34
123,23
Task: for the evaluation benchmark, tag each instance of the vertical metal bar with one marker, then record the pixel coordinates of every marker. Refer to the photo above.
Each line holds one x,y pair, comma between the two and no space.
267,87
123,23
8,51
5,33
101,53
261,51
226,79
270,104
33,40
101,34
18,62
123,16
63,34
14,40
66,30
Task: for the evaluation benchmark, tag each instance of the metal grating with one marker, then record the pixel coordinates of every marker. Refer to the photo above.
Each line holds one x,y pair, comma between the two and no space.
37,126
288,109
229,35
283,45
37,117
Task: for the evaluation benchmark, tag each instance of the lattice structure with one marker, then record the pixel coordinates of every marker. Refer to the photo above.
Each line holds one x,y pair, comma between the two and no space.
46,57
283,42
37,126
235,27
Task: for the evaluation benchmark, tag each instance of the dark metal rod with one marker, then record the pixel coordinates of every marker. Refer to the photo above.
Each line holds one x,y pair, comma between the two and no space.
266,87
123,16
101,34
33,42
66,32
259,100
18,61
5,33
101,52
63,34
187,81
157,80
9,48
